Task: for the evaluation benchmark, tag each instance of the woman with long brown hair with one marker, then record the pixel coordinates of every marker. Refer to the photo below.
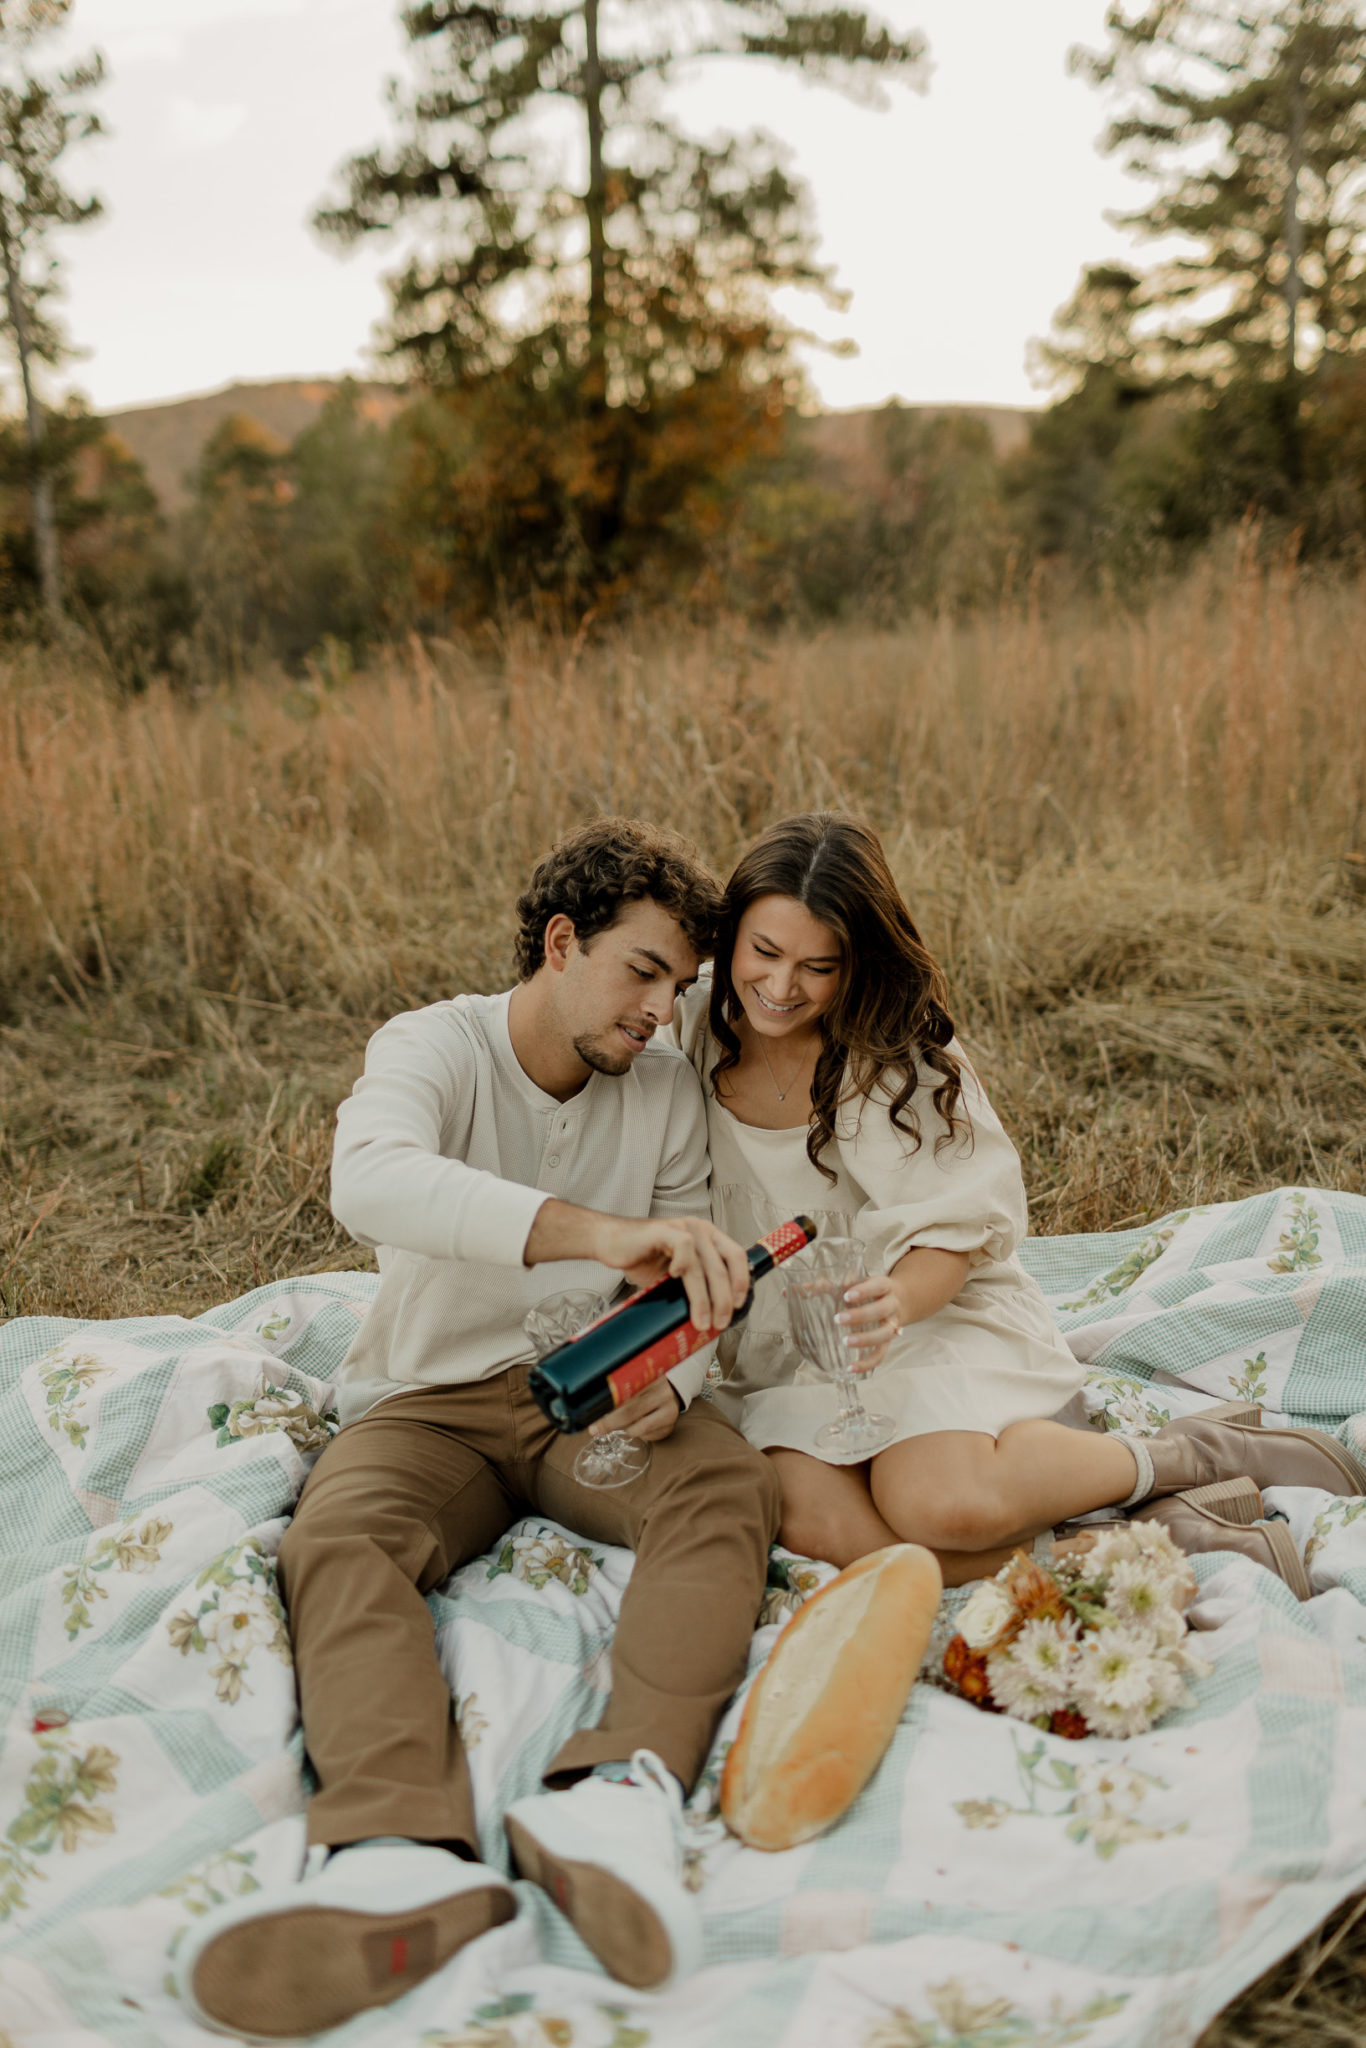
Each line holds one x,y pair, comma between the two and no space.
836,1087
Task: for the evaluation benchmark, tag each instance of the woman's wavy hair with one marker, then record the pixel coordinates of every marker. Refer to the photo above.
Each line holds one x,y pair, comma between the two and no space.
890,1016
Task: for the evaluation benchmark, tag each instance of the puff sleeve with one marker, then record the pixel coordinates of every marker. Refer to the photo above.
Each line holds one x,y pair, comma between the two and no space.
967,1196
688,1030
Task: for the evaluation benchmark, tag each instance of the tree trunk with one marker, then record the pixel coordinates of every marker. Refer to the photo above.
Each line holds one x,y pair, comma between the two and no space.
598,507
1294,232
595,203
40,482
1294,283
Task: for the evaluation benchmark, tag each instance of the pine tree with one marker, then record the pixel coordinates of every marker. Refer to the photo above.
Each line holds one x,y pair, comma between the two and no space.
600,279
1251,122
39,119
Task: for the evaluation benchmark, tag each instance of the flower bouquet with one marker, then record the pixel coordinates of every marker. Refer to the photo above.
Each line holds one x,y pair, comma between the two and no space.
1093,1643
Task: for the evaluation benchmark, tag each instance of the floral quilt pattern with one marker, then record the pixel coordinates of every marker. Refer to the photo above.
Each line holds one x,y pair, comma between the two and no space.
993,1887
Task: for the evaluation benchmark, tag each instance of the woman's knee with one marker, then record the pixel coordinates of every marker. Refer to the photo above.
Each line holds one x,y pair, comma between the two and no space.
821,1526
967,1519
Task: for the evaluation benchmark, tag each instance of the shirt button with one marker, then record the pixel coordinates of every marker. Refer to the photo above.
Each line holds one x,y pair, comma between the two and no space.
554,1159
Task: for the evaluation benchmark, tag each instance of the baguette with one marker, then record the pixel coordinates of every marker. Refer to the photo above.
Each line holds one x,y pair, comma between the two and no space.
822,1711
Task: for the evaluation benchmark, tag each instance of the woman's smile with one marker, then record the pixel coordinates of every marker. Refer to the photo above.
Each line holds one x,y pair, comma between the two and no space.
784,967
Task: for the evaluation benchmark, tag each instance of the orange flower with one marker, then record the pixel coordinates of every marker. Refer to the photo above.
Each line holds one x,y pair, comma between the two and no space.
968,1671
1034,1590
1069,1723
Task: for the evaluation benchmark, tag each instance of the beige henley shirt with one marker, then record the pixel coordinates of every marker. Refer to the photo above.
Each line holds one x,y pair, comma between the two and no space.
446,1150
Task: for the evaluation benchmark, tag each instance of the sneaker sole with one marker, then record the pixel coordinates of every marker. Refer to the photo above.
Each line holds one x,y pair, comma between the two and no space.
611,1917
307,1968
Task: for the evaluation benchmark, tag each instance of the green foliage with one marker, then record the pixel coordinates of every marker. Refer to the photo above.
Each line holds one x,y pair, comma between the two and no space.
918,520
1252,127
39,118
606,337
1223,381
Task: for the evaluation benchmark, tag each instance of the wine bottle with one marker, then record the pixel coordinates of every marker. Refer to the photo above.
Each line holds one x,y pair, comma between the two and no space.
640,1339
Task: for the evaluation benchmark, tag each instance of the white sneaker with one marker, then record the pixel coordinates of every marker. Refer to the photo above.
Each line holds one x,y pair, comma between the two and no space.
368,1926
611,1857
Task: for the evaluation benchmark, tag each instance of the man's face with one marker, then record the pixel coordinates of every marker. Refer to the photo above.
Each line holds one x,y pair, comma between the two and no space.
616,991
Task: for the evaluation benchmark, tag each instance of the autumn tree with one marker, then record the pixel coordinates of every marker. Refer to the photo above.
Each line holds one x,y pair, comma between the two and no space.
40,117
588,285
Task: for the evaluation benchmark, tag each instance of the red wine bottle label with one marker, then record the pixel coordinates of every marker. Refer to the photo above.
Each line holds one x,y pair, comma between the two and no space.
652,1363
649,1365
787,1239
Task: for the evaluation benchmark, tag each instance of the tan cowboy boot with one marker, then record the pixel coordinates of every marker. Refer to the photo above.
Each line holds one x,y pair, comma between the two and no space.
1227,1516
1200,1450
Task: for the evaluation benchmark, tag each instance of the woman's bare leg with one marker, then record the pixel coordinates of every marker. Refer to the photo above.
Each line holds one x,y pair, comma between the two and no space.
961,1490
828,1512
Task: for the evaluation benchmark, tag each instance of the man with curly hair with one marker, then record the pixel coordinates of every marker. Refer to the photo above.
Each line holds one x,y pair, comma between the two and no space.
496,1150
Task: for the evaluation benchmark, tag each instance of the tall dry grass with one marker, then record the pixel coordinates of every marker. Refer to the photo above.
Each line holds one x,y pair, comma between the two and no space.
1132,836
349,846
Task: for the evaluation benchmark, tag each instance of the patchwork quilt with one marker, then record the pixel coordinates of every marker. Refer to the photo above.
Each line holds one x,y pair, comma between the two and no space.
994,1887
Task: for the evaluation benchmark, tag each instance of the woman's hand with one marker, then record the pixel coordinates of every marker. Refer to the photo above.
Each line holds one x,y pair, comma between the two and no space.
879,1308
870,1318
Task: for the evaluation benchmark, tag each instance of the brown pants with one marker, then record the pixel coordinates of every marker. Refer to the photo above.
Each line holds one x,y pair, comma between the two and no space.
429,1480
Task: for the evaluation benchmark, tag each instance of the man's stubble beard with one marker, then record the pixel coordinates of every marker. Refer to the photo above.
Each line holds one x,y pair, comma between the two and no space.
601,1062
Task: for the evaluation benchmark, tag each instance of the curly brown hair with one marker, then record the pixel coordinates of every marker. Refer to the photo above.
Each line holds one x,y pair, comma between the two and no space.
592,875
890,1017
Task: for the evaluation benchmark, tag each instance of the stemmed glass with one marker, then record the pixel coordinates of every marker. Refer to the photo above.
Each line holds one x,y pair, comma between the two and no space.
815,1296
603,1461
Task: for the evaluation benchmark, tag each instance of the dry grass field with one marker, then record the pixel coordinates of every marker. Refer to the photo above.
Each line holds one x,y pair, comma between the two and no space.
1134,836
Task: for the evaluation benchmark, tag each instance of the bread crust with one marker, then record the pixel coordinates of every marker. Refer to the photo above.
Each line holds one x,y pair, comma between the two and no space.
825,1706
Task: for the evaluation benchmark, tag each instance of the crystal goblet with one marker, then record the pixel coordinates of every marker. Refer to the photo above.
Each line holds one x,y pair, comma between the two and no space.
604,1461
815,1296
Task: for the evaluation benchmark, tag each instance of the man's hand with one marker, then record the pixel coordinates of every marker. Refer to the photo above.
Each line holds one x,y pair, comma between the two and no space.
650,1414
712,1266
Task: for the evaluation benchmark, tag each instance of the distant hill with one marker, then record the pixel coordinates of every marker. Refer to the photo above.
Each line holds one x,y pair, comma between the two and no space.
167,439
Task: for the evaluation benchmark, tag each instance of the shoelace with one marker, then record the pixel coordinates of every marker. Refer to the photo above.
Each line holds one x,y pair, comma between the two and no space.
692,1835
652,1774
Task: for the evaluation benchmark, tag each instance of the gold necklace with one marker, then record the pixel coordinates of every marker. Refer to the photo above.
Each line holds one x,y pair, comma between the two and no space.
781,1093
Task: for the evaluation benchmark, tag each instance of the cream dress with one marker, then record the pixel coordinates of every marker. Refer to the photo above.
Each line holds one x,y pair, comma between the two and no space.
992,1356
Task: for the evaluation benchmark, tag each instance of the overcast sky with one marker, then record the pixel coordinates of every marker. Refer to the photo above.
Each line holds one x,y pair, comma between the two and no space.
957,220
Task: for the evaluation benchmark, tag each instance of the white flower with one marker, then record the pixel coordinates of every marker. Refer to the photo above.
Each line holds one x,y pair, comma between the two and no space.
1131,1413
1138,1591
1123,1683
238,1623
1114,1667
1034,1674
279,1408
1109,1789
1145,1544
1046,1650
985,1615
1106,1806
1169,1628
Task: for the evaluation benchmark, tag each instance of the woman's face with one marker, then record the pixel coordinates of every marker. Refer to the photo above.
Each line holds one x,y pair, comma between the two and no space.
785,967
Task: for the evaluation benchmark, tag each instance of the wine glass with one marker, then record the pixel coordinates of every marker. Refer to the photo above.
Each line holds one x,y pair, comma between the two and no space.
603,1461
815,1296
